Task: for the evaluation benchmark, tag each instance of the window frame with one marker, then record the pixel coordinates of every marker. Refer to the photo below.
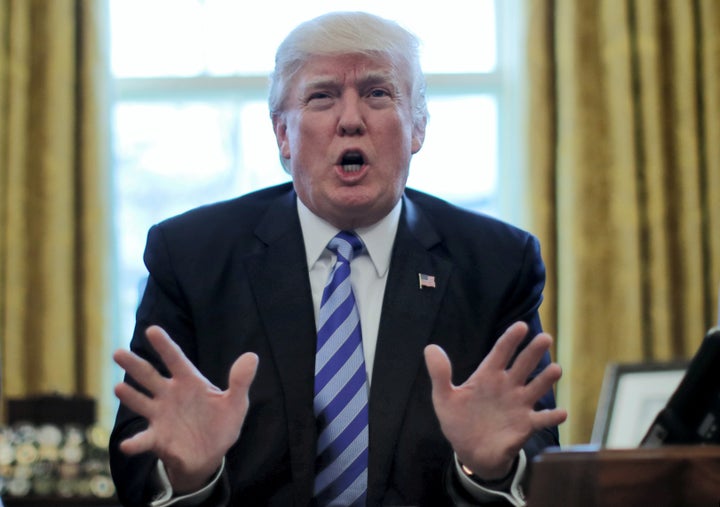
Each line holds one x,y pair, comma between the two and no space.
506,83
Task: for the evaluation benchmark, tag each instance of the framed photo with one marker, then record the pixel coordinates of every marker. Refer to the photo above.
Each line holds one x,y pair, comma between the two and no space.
631,396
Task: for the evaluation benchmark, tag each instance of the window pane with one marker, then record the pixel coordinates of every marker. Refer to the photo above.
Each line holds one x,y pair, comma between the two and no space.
173,156
220,37
459,160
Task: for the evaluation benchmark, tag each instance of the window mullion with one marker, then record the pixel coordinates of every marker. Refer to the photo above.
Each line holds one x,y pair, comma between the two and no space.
190,88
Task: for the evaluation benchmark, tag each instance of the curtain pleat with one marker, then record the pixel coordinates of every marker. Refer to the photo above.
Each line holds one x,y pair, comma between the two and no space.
709,85
542,120
55,312
628,92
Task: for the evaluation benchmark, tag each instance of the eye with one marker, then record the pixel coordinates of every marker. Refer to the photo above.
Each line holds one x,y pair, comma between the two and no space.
318,96
378,93
319,100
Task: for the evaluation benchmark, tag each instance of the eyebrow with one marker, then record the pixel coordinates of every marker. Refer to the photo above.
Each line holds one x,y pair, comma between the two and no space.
367,79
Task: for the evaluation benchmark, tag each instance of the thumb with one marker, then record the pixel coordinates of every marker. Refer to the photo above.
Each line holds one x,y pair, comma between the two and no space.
440,370
242,375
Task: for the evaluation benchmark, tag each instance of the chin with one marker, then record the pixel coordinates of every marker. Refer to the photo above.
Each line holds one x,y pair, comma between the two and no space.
360,207
357,217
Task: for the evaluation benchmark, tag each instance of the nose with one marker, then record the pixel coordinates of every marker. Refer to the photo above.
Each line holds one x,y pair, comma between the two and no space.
351,121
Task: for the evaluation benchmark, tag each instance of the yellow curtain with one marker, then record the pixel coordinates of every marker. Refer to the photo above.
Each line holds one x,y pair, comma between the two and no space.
55,313
624,107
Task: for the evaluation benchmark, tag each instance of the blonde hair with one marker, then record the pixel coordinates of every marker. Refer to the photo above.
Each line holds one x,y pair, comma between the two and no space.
340,33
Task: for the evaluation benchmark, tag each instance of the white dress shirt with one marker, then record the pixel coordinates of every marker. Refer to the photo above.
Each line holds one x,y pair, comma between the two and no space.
368,273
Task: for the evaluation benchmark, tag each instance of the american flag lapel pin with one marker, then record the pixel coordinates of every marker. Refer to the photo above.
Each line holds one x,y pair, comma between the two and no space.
426,281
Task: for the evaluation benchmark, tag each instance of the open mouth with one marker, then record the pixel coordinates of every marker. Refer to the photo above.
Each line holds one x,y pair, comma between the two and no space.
352,161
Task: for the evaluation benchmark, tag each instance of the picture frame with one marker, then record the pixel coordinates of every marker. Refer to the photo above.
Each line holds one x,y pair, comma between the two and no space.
632,395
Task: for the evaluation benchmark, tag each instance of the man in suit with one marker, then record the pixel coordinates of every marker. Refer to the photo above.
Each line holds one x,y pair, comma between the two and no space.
219,399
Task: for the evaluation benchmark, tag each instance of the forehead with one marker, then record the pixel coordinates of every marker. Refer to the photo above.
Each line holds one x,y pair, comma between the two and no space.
347,69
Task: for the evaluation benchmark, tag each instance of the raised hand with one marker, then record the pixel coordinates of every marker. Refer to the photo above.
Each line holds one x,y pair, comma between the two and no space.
192,423
490,416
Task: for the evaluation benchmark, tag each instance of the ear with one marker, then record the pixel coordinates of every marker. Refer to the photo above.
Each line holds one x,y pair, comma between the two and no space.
280,128
418,135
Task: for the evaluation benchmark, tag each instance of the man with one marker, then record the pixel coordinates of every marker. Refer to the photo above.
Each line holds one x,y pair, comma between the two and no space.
226,401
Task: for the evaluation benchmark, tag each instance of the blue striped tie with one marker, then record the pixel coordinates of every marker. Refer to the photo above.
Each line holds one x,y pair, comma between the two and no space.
341,389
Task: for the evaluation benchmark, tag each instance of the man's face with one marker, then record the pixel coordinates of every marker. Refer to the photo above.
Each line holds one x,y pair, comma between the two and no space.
347,130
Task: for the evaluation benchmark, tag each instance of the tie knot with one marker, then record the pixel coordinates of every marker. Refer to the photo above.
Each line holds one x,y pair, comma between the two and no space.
346,245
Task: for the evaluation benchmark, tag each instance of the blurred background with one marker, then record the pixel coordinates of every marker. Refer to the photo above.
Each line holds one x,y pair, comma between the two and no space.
595,125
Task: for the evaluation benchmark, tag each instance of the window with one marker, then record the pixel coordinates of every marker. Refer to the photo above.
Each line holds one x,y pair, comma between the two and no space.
190,119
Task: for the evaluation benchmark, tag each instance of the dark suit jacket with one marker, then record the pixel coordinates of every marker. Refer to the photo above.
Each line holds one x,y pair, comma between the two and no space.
232,277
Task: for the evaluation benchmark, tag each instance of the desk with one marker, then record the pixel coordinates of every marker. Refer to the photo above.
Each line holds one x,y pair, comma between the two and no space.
671,476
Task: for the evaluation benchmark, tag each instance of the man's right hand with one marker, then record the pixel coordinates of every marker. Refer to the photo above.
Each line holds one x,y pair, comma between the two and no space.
191,423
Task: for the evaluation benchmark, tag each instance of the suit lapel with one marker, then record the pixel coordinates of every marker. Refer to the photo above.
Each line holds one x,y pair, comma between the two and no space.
407,319
279,277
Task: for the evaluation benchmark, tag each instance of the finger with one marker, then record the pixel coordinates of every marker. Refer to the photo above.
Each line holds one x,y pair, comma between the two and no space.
547,418
540,385
440,370
140,442
170,352
529,358
134,400
242,375
139,369
505,346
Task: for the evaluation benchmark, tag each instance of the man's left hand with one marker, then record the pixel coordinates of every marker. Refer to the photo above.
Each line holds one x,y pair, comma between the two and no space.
489,417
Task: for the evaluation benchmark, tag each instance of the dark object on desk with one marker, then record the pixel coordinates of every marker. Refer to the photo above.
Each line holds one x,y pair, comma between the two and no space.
52,409
692,414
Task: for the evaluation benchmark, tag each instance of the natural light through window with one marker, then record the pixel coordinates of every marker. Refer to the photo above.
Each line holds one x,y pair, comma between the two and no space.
226,37
191,124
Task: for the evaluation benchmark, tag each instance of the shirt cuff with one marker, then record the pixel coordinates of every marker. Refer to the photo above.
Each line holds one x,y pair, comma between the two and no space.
514,494
166,497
